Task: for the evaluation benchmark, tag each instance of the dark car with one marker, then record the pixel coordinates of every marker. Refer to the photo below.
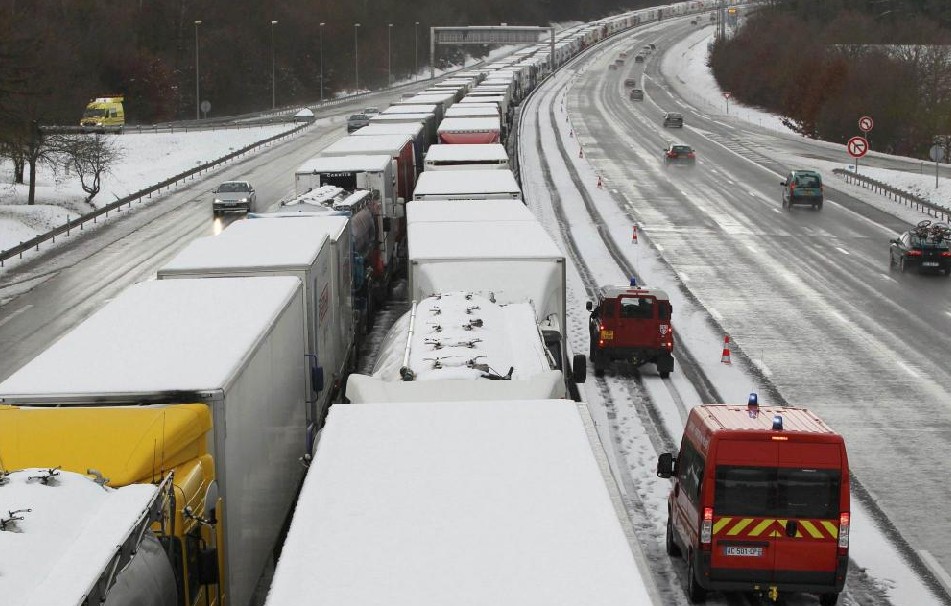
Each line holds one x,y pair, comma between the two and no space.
637,94
673,120
924,248
357,121
638,58
802,187
630,82
679,153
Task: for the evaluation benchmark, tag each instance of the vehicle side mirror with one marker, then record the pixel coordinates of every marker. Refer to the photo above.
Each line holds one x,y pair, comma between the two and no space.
214,191
665,465
783,183
579,368
208,566
893,241
588,305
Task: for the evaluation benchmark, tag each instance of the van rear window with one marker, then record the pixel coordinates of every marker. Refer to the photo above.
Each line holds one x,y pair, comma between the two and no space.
777,492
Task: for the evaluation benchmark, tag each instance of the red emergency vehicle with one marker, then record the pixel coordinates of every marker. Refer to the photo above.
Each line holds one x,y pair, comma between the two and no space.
631,323
759,502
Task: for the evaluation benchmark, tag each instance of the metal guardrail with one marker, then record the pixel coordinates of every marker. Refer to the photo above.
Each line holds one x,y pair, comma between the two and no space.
71,224
893,193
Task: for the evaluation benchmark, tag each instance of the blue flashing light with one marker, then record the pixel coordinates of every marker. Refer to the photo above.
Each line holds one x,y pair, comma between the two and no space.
752,406
778,423
753,401
633,282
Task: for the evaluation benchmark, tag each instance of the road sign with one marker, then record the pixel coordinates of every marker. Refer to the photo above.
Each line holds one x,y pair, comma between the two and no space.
866,123
857,146
205,106
726,94
936,153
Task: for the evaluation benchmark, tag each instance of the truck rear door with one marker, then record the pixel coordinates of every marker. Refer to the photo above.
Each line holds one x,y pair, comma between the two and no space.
636,322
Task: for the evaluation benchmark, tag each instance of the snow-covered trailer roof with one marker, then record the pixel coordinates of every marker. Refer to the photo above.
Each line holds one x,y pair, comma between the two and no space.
162,336
375,162
385,128
450,184
463,336
473,110
508,503
66,537
471,240
422,211
252,245
390,144
410,107
458,153
400,117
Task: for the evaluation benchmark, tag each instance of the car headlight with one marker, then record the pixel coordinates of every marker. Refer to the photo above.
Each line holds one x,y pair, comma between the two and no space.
243,200
217,200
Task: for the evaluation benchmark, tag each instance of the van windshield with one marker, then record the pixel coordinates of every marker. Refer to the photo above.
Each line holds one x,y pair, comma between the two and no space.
777,492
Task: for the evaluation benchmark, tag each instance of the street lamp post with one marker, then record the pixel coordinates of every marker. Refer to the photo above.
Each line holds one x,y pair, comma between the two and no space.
197,79
356,58
322,61
389,55
416,49
273,88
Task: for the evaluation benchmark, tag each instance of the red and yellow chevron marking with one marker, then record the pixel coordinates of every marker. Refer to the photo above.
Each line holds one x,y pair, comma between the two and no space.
762,528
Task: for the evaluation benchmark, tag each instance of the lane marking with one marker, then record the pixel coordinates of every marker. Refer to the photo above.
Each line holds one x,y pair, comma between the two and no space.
15,314
908,369
843,251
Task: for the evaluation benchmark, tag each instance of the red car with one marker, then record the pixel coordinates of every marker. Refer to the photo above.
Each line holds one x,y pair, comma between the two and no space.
631,323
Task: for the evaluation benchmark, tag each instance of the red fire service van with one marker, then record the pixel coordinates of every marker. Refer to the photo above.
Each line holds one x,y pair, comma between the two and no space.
759,502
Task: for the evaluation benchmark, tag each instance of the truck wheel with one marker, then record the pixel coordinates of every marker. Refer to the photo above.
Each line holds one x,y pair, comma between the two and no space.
671,545
828,599
695,593
664,374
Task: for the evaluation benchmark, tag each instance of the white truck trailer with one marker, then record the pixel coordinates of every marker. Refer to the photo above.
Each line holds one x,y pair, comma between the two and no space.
236,345
317,251
425,211
467,185
508,261
467,156
373,173
67,539
509,503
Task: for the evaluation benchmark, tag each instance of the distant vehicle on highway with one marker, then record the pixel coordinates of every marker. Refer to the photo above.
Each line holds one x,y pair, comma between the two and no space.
637,94
630,82
371,111
679,153
924,248
638,58
357,121
233,196
104,114
802,187
673,120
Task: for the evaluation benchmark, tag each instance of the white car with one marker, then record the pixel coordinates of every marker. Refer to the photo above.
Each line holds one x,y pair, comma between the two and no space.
233,196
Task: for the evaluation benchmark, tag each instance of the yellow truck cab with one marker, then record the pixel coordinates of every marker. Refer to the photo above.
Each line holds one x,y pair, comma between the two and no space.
125,446
104,114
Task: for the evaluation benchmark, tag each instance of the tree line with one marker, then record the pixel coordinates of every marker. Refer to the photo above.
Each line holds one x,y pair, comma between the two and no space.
822,64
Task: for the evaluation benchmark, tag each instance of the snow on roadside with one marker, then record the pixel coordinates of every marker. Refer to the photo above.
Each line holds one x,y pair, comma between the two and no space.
146,159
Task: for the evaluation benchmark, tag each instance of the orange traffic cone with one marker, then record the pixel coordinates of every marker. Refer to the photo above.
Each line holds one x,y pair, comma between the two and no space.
725,357
634,235
600,185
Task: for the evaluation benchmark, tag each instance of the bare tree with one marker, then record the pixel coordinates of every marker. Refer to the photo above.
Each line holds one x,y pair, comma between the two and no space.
91,156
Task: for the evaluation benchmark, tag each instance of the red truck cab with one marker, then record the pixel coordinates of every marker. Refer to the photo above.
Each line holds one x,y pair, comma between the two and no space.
759,502
631,323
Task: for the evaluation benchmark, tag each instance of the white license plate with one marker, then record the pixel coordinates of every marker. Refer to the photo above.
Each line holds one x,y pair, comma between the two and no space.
930,264
749,552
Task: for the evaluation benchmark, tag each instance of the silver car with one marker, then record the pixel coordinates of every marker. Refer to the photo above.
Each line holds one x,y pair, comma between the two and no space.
233,196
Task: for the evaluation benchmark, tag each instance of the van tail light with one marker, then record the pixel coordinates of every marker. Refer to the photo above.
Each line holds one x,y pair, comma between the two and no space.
844,519
946,253
706,529
914,252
